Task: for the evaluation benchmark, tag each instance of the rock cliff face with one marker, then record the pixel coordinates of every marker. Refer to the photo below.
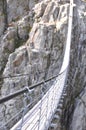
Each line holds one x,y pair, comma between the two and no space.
79,83
3,16
75,112
32,42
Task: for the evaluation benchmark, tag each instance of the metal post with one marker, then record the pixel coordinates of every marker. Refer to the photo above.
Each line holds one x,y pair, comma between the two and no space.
24,110
40,108
46,123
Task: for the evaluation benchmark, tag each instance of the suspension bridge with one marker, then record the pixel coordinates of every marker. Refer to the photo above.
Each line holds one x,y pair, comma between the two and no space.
40,115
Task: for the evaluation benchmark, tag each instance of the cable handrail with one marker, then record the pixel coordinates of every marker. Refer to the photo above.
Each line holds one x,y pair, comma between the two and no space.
11,96
26,89
19,75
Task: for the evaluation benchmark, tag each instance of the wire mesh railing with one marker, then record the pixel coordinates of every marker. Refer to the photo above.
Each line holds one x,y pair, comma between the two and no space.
44,100
38,113
38,118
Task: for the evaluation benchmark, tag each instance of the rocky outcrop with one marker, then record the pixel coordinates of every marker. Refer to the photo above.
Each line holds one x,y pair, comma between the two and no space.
79,115
16,20
73,108
18,9
3,16
14,36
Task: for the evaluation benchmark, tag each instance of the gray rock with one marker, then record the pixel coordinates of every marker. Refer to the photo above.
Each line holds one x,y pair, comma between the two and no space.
74,113
3,16
79,116
40,46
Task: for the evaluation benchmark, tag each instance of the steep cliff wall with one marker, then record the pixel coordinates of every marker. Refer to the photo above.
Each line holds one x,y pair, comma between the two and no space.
32,41
79,114
3,16
31,46
75,103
